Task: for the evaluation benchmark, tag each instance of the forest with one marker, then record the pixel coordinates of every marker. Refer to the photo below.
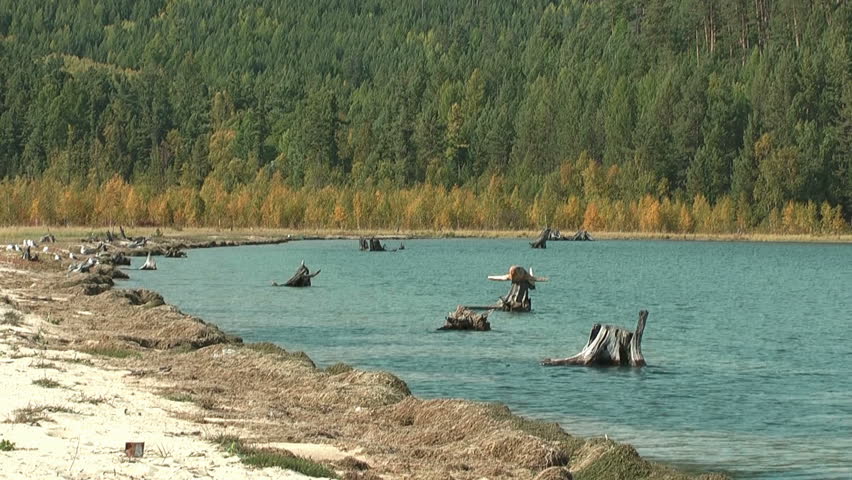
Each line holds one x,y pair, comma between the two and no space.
621,115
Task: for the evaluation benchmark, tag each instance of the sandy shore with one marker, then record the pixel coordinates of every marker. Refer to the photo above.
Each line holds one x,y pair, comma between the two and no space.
145,355
69,416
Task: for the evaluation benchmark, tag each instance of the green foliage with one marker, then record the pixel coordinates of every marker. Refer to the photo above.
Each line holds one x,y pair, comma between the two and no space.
203,101
6,445
113,352
11,317
265,458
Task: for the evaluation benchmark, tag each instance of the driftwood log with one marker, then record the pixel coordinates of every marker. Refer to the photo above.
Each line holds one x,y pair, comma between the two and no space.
541,241
609,346
149,264
518,298
302,277
466,319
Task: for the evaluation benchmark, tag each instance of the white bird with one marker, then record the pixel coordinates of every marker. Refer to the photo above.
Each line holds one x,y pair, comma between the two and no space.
57,257
10,247
17,248
44,249
72,256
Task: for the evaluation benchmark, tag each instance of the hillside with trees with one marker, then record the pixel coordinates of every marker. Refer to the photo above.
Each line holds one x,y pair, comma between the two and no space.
634,115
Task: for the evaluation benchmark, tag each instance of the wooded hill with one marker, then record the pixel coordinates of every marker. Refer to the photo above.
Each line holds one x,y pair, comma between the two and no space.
546,108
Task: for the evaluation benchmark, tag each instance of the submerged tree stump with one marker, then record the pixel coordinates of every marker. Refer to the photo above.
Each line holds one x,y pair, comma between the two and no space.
371,244
174,252
582,236
465,319
149,264
302,278
518,298
541,241
609,346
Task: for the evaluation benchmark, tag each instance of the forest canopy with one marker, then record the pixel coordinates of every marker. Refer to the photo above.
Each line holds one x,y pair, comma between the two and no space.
613,114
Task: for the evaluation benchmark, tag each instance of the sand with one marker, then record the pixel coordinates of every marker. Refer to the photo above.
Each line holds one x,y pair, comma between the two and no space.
94,412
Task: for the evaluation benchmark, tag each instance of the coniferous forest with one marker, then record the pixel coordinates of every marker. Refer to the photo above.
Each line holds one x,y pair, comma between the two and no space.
633,115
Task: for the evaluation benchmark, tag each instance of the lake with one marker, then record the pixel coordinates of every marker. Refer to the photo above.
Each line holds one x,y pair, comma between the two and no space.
748,344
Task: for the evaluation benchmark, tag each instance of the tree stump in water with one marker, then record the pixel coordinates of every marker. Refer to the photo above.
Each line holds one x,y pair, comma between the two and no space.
149,264
541,241
302,277
371,244
174,252
518,298
464,319
609,346
582,236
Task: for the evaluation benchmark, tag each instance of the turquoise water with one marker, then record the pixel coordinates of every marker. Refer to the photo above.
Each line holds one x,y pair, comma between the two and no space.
748,345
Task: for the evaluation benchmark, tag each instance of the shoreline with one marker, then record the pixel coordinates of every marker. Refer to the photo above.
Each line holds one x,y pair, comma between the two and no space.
210,237
275,396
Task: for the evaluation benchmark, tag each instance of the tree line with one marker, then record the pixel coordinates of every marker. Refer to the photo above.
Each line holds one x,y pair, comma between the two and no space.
524,112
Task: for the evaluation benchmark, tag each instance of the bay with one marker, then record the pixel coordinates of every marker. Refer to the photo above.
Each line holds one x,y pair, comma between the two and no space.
748,344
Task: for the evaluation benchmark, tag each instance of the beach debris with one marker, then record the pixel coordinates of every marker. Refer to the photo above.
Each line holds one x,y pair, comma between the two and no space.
134,449
609,346
302,277
541,241
83,267
466,319
27,255
149,264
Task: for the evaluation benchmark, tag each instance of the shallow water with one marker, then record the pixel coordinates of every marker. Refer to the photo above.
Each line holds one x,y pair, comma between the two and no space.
748,344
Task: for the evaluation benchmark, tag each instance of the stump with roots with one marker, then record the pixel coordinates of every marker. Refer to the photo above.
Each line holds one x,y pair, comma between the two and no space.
609,346
302,277
149,264
541,241
30,257
465,319
518,298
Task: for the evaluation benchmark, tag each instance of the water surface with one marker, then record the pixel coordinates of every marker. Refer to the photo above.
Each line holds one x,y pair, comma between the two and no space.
748,344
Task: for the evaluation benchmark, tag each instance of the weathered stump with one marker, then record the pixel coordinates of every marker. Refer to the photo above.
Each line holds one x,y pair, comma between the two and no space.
518,298
609,346
582,236
465,319
302,277
174,252
49,238
30,257
541,241
371,244
149,264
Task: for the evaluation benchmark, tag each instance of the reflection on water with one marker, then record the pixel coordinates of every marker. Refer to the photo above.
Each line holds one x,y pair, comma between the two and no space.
748,345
